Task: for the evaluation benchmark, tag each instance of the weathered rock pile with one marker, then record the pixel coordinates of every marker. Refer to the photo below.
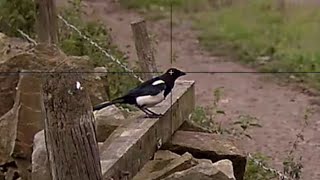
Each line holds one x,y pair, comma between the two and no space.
209,146
170,166
194,155
191,154
20,97
214,161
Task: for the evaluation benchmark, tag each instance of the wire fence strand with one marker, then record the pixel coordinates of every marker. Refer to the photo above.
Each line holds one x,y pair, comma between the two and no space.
280,175
99,47
27,37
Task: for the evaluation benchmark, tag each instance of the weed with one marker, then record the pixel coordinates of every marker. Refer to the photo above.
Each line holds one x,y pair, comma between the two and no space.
292,165
245,122
199,114
208,118
255,172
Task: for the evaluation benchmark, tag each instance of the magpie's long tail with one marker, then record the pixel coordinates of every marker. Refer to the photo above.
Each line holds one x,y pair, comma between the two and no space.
106,104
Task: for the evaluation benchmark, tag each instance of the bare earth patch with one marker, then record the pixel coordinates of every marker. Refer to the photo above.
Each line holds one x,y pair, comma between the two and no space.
280,109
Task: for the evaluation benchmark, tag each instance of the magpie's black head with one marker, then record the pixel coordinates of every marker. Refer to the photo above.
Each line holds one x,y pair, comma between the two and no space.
174,73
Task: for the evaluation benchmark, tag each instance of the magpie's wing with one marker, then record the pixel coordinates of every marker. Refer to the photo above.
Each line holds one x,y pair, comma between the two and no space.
147,88
147,83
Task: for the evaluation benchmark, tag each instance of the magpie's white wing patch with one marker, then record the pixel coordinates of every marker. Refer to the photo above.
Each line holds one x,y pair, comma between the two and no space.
157,82
149,101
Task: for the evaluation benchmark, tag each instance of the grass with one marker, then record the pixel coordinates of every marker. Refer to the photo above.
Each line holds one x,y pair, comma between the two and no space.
164,5
258,29
255,32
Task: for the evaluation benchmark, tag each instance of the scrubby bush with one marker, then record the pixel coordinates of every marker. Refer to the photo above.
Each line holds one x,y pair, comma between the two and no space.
20,14
17,14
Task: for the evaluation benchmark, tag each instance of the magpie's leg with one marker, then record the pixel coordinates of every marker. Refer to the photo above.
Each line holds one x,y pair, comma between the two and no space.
153,113
147,113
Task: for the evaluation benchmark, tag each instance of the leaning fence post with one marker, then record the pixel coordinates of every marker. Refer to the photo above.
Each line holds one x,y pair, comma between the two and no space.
281,6
69,128
144,49
46,21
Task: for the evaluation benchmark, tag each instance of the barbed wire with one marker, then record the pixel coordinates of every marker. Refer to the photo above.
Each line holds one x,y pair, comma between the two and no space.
99,47
114,59
257,162
27,37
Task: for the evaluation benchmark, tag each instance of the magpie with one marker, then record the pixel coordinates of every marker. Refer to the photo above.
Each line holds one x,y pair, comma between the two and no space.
148,93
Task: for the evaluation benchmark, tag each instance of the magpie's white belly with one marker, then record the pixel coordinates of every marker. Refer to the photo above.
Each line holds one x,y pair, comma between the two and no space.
149,101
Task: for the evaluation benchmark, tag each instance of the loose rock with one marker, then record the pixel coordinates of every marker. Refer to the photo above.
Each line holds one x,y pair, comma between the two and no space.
211,146
107,120
40,163
204,171
165,155
158,169
8,129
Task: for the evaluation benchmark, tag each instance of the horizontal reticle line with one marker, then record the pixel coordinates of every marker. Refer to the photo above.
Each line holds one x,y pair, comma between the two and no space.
188,72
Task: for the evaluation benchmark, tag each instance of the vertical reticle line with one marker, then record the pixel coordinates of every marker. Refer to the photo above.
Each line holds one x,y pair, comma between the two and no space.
171,56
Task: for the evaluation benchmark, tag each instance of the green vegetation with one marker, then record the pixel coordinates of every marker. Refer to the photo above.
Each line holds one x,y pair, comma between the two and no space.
73,44
255,172
207,116
164,5
17,14
288,39
209,119
257,32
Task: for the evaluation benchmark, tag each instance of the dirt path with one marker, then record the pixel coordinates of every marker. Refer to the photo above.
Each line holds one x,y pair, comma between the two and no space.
280,109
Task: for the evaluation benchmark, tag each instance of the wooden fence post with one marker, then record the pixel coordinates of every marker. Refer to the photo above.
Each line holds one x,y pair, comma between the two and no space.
69,128
46,21
281,5
144,49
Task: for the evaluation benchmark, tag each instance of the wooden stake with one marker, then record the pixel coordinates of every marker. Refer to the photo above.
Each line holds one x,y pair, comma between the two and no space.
144,49
46,27
69,128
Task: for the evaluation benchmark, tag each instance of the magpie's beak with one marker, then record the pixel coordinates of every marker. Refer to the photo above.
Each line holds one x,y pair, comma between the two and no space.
182,73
